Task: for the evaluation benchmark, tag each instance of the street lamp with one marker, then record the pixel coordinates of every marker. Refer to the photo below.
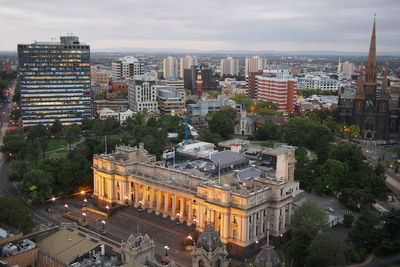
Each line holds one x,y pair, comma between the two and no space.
103,222
166,250
85,200
55,200
66,208
84,216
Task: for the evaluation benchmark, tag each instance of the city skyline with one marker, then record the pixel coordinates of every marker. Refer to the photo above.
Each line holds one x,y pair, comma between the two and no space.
312,26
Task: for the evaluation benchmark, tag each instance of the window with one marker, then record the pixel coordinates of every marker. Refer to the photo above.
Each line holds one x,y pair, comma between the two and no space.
117,184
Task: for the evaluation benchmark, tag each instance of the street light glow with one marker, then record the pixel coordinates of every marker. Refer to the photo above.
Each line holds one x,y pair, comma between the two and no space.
53,199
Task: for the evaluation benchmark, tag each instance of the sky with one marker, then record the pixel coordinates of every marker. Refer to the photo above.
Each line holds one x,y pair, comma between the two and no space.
206,25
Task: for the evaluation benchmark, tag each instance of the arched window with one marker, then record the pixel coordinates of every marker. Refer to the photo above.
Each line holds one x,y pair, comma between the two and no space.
201,263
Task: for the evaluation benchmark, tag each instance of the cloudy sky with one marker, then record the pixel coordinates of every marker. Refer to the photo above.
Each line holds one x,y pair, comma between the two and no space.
283,25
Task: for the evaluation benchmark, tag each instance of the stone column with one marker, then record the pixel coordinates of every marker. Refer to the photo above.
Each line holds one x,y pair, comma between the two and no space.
255,222
182,209
144,196
136,195
245,228
283,219
276,223
158,201
173,208
166,204
190,215
151,203
261,222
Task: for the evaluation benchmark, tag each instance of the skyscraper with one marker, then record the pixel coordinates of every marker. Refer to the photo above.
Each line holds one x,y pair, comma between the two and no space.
229,66
253,64
55,81
170,67
186,62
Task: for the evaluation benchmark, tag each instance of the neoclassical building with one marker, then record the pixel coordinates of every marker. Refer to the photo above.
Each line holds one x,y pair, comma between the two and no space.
241,210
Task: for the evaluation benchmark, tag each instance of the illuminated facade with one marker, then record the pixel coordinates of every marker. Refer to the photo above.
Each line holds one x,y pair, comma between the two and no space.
242,212
55,81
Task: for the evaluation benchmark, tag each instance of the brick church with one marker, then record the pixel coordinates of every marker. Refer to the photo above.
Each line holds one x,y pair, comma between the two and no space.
371,108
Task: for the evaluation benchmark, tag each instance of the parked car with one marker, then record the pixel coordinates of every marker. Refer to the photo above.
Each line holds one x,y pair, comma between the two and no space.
49,210
330,209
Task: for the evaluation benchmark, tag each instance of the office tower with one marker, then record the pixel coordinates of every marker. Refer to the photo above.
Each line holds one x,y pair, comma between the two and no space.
229,66
209,83
346,69
142,95
281,90
169,99
186,62
170,67
55,81
253,64
127,67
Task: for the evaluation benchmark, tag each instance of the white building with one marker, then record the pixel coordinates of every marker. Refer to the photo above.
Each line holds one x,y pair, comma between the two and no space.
318,82
106,113
345,69
253,64
170,67
127,67
229,66
169,99
142,95
124,115
186,62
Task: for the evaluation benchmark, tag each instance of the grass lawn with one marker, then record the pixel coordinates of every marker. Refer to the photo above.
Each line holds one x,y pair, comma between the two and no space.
58,143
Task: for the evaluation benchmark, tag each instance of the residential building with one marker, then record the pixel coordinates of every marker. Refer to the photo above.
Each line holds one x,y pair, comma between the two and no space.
170,100
241,209
253,64
345,69
119,85
177,83
55,81
127,67
7,66
229,66
170,67
251,84
281,90
186,62
142,95
99,77
318,82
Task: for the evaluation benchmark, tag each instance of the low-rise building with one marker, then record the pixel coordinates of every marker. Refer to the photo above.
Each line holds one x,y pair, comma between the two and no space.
116,104
318,82
106,113
242,212
169,99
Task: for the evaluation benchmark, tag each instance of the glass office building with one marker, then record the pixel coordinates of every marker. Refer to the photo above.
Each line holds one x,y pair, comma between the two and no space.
55,81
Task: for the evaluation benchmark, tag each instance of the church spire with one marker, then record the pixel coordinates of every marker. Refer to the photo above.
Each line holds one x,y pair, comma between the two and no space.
360,85
370,75
384,88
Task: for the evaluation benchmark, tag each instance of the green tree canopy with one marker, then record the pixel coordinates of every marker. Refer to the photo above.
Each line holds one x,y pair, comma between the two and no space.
325,250
221,124
16,214
311,217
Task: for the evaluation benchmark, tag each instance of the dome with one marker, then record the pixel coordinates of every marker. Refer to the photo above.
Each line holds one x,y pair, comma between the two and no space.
209,239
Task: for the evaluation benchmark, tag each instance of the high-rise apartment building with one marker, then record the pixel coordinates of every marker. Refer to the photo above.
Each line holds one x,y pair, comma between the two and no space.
251,85
142,95
229,66
127,67
281,90
55,81
170,67
346,69
253,64
186,62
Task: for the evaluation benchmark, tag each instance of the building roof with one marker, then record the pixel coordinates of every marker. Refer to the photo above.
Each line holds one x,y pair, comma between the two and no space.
66,245
226,158
105,111
209,239
248,173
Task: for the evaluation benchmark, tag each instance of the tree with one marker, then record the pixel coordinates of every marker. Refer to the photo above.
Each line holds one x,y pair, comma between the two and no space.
325,250
328,176
36,132
18,168
221,124
306,169
56,128
311,217
37,185
301,239
366,234
34,151
14,146
268,131
15,214
242,98
390,234
70,135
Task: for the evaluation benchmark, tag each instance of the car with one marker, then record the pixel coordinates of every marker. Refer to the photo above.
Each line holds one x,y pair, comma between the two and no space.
49,210
330,209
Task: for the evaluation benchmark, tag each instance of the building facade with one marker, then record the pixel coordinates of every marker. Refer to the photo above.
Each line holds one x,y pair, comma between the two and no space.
186,62
253,64
229,66
127,67
279,90
170,67
142,95
169,99
251,84
55,81
318,82
242,213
